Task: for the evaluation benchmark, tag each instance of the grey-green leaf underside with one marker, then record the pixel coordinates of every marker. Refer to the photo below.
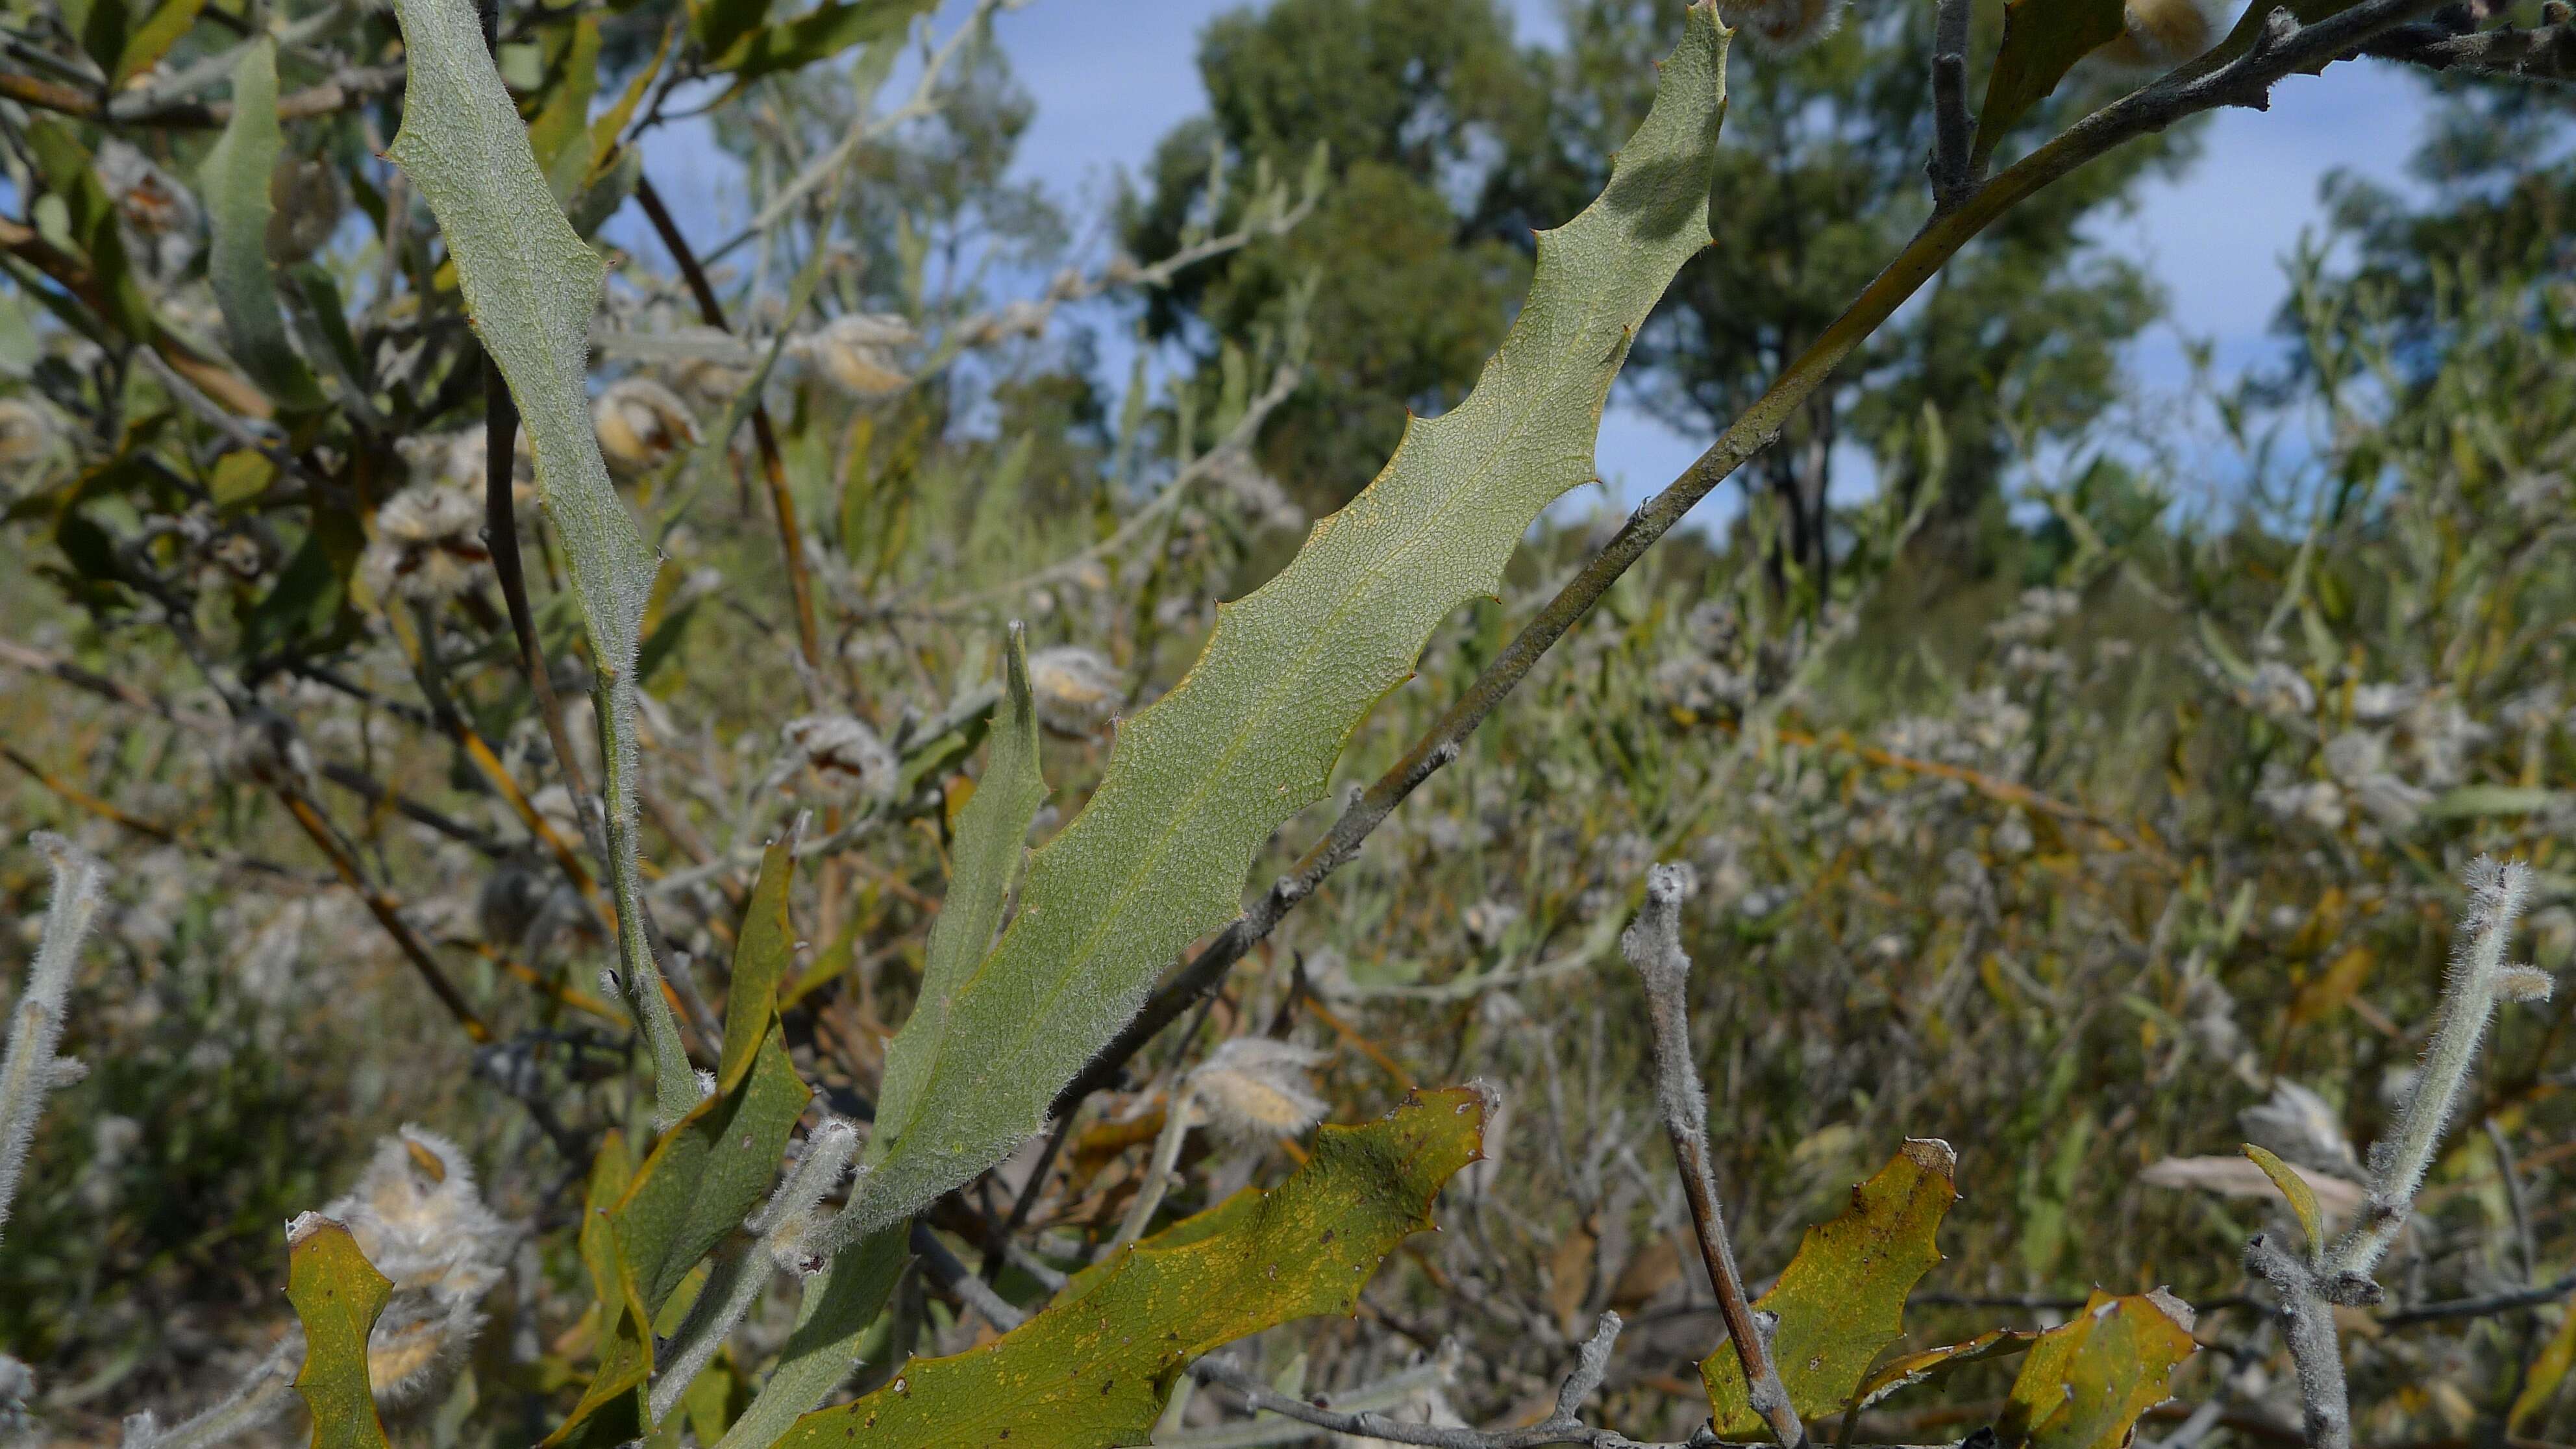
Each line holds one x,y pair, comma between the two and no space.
236,179
531,286
1197,782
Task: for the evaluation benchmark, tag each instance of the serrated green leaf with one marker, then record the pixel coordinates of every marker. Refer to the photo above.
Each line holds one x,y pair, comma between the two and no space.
1841,1300
2302,1197
531,287
992,835
2042,41
707,1174
822,1349
337,1295
762,952
1094,1368
1198,781
2087,1381
236,180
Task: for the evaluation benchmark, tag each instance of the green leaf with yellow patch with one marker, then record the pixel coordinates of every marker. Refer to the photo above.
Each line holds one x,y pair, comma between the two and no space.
2087,1380
1095,1367
337,1295
1841,1301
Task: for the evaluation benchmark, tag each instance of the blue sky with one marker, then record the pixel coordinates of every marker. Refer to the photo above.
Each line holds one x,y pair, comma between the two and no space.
1110,77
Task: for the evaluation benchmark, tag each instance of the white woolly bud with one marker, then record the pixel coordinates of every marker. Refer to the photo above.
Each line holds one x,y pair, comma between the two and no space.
641,424
844,754
1252,1088
1783,26
857,352
1075,688
2161,33
26,432
428,545
2524,983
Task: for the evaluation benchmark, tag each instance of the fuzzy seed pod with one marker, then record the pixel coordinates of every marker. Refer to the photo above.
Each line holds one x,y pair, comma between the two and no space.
306,202
2162,33
26,434
641,424
843,754
857,352
428,543
1077,690
417,1217
1253,1089
1783,26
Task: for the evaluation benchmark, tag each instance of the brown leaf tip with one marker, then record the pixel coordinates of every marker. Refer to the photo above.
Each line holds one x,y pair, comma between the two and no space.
2172,1306
1932,1155
304,1225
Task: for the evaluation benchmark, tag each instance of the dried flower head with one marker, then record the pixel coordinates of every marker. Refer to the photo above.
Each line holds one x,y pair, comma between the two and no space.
2161,33
1077,690
641,424
306,202
26,433
1252,1089
428,545
417,1217
844,754
857,352
2298,1125
1783,26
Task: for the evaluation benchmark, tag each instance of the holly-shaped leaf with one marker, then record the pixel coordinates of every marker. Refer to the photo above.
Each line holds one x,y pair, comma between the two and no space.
338,1294
1841,1301
1094,1368
2087,1381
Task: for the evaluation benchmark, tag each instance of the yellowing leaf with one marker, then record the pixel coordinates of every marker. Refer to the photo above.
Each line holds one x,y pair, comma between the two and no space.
2087,1381
2548,1371
2332,987
337,1294
1907,1370
1094,1368
762,952
2303,1198
1197,782
1841,1300
2042,41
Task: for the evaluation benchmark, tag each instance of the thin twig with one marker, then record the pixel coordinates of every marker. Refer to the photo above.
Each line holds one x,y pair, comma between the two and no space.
1654,946
29,1070
2312,1284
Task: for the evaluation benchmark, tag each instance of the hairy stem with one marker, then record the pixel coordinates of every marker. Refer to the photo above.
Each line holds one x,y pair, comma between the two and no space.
1654,946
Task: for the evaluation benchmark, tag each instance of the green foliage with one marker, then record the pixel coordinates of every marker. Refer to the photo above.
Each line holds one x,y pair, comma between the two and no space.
2042,41
2086,1381
1841,1300
1249,737
337,1295
531,285
238,174
1095,1367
